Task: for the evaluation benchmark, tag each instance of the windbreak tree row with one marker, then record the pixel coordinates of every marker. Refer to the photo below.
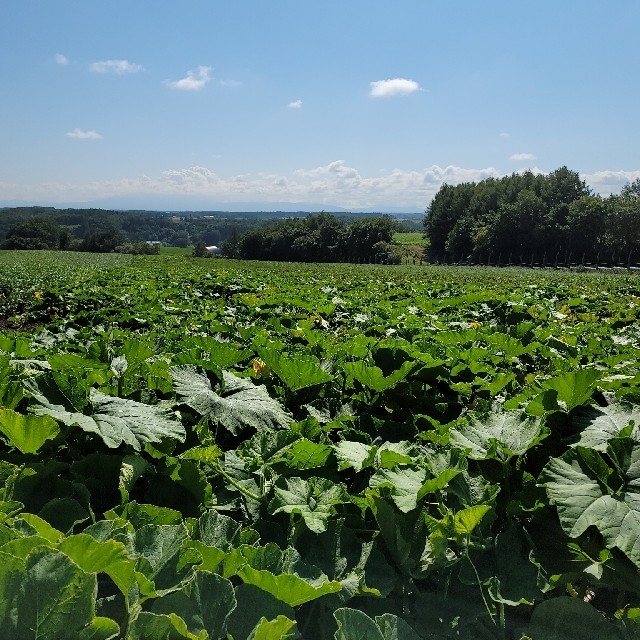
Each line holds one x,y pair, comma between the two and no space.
524,218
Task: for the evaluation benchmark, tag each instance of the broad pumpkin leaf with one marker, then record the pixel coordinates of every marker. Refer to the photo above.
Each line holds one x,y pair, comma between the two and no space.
254,604
27,433
239,404
108,557
281,628
499,433
153,625
115,420
355,625
567,618
404,483
204,603
314,499
582,501
354,454
288,587
373,377
158,548
296,371
466,520
573,388
51,598
598,425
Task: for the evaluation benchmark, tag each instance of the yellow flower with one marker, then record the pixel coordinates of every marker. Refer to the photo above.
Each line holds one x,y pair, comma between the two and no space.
38,294
475,325
260,367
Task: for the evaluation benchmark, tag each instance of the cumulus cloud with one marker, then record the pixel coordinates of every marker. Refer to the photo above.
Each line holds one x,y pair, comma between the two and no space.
335,183
608,182
522,156
193,81
84,135
120,67
296,104
393,87
61,59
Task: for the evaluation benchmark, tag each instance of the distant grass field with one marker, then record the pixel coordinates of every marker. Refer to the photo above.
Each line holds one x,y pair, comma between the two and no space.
414,238
176,251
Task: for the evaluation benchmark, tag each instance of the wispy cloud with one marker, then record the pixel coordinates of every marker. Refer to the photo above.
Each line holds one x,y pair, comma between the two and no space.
522,156
296,104
61,59
393,87
230,83
504,134
120,67
193,81
84,135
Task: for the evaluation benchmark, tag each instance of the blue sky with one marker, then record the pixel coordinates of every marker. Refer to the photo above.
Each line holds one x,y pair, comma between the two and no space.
359,105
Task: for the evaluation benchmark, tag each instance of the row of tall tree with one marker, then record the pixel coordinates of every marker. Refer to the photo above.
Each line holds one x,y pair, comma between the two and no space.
320,237
541,218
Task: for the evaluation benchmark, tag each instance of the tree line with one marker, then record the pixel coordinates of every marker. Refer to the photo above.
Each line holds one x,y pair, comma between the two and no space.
320,237
100,230
539,218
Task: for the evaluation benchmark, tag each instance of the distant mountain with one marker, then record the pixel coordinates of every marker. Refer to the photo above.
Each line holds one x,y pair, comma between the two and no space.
180,203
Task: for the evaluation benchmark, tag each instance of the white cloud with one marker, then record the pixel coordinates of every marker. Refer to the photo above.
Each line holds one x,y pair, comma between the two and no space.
608,182
84,135
230,83
193,81
60,58
393,87
504,134
119,67
522,156
335,183
296,104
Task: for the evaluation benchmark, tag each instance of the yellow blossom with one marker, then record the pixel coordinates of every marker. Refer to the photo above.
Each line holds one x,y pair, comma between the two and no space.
475,325
259,367
38,294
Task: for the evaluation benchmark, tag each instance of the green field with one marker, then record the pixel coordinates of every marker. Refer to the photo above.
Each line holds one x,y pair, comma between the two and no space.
205,448
414,238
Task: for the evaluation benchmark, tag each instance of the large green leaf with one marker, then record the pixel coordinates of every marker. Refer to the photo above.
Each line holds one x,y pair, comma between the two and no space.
254,604
109,557
280,628
572,619
27,433
573,389
314,499
373,377
115,420
582,500
156,625
50,599
499,433
404,483
297,372
598,425
288,587
204,603
238,405
357,625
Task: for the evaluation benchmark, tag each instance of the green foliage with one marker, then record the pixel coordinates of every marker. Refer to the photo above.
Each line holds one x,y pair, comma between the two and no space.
526,219
198,450
318,238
